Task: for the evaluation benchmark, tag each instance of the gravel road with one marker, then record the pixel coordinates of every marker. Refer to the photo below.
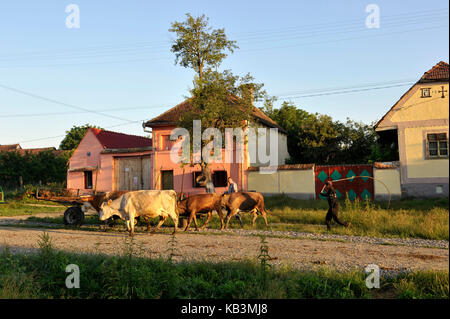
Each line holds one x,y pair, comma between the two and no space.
297,250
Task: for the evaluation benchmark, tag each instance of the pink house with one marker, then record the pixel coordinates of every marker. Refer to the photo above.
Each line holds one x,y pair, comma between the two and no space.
169,175
107,161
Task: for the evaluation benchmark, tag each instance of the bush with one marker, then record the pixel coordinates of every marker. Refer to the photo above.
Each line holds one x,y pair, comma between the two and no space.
41,168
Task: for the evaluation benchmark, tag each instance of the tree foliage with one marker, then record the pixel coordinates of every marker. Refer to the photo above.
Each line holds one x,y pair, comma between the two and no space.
44,167
219,99
74,136
198,46
223,100
317,138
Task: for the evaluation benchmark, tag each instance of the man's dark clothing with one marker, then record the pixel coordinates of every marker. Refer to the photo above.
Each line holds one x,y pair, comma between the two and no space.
333,208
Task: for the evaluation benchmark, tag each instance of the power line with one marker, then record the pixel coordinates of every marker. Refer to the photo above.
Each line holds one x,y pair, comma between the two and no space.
348,91
81,112
265,37
59,136
293,97
61,103
246,35
355,86
345,39
241,51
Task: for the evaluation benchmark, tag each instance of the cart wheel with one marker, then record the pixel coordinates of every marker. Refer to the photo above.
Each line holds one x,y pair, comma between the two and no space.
73,216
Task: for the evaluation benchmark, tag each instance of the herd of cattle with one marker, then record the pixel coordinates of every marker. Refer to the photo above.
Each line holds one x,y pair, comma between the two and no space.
165,203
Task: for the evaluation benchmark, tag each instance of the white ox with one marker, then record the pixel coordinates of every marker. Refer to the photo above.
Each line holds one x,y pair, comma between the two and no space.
145,203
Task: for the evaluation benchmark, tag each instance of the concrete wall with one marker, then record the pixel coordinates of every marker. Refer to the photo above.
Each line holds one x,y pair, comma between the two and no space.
88,154
294,183
300,183
391,178
281,150
162,161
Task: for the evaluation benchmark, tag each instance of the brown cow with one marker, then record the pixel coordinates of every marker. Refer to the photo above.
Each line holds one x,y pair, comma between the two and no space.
252,202
100,198
200,204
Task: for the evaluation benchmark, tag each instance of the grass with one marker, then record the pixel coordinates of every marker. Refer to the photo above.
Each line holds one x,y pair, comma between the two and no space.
25,207
128,275
427,219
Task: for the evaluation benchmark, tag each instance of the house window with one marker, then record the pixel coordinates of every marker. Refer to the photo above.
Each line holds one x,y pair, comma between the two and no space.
437,145
220,179
426,92
166,143
88,180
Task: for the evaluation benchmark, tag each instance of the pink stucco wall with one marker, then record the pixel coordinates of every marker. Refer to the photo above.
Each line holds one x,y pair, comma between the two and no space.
159,159
162,161
103,180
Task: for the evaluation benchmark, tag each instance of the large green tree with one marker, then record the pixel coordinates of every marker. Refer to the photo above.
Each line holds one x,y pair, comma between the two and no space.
317,138
43,167
74,136
198,46
219,99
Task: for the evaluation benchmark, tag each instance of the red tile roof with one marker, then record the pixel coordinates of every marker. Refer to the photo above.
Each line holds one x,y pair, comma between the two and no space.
172,115
286,167
114,140
438,72
23,151
11,147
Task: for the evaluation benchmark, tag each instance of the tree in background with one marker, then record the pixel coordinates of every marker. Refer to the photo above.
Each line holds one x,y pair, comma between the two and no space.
42,168
74,136
316,138
219,99
198,46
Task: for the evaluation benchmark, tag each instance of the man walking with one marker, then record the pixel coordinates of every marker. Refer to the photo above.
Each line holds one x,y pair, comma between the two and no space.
333,204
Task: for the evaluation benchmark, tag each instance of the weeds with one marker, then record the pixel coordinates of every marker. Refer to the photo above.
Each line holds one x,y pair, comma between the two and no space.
43,275
264,256
172,250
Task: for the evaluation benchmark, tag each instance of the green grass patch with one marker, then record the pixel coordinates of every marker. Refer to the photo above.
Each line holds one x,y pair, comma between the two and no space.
128,275
427,219
25,207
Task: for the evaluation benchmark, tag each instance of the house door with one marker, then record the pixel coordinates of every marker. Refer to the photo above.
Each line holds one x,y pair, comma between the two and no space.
167,179
132,173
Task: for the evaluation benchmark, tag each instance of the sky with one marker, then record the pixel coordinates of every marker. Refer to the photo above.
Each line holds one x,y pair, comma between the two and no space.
116,70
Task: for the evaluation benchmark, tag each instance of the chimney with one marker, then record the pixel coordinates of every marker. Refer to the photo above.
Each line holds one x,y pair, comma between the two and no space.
247,91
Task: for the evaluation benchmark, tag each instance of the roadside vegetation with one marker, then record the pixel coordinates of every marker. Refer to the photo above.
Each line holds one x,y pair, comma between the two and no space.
128,275
426,219
29,207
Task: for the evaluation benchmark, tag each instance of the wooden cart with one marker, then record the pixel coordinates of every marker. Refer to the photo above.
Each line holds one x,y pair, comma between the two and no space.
73,215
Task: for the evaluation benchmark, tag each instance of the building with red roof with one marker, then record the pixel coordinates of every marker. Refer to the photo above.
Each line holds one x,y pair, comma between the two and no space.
106,161
109,161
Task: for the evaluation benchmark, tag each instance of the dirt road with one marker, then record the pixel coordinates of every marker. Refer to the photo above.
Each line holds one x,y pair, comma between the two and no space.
296,252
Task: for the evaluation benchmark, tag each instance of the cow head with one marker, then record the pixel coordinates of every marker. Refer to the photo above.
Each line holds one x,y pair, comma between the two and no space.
106,211
181,207
86,206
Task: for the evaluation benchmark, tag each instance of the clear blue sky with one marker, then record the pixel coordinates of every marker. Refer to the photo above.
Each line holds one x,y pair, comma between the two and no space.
119,60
